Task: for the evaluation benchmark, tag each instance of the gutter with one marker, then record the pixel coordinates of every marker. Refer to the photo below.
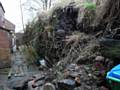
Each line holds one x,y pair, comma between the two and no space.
6,29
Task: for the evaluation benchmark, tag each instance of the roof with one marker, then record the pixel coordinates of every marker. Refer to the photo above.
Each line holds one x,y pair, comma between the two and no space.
2,7
4,23
7,25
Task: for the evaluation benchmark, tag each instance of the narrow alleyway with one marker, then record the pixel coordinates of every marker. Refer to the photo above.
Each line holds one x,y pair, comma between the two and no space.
18,65
18,73
3,81
18,70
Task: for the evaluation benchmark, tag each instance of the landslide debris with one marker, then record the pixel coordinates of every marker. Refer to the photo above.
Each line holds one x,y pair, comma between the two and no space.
80,33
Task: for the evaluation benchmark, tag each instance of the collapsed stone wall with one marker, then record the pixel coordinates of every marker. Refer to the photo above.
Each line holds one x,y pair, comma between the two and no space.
79,36
66,19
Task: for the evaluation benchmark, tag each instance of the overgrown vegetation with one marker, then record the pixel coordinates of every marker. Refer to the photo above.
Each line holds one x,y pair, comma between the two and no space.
70,33
112,51
100,19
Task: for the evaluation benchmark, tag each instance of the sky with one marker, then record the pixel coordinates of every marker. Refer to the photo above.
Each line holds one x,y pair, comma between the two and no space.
13,13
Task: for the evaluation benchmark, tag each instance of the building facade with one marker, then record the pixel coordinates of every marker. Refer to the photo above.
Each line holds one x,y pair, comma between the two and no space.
7,29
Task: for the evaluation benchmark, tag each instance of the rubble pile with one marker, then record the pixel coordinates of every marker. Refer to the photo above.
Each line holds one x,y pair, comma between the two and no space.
80,36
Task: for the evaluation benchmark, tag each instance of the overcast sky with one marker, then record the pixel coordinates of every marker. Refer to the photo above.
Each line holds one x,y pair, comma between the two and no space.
13,13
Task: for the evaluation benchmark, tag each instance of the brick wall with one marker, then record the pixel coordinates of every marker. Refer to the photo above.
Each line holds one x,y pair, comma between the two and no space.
5,57
4,39
4,49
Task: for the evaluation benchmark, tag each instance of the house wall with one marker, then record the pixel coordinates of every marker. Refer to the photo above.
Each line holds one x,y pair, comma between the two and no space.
6,27
4,49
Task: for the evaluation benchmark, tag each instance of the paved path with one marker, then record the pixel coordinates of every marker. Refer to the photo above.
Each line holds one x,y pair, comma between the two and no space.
18,65
3,81
18,73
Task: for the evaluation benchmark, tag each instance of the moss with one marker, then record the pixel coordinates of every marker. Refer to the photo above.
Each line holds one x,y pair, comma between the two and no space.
90,5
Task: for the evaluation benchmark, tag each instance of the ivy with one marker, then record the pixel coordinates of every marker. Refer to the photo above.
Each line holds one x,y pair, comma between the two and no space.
89,5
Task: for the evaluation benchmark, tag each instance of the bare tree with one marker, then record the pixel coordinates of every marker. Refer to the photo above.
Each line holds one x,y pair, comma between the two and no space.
38,4
50,3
